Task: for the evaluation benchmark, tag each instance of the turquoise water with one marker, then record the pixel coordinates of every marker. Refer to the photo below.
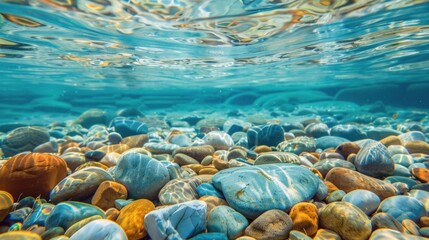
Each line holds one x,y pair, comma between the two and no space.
70,54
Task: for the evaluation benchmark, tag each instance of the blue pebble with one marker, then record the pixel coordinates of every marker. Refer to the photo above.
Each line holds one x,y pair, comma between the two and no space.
207,189
403,207
393,179
366,200
401,171
329,142
226,220
374,160
270,135
38,216
128,127
114,138
210,236
100,229
348,131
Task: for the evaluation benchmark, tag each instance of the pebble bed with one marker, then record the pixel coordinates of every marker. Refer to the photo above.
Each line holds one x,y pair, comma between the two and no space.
323,171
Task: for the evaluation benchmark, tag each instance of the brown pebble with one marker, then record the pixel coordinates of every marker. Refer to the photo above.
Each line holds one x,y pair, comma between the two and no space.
112,214
391,140
262,148
417,147
421,174
347,148
106,194
208,171
304,218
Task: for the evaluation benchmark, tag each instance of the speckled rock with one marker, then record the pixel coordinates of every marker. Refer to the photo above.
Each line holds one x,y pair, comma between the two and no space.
270,135
382,234
32,174
346,219
304,218
256,189
325,165
277,157
79,185
226,220
219,140
402,207
66,214
6,202
365,200
106,194
298,145
349,180
374,160
179,221
272,224
179,191
131,218
23,139
100,229
143,176
385,220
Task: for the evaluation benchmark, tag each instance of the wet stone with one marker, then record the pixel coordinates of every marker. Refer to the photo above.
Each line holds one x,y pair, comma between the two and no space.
365,200
179,191
298,145
100,229
131,218
272,224
374,160
305,218
226,220
402,207
24,139
218,140
270,135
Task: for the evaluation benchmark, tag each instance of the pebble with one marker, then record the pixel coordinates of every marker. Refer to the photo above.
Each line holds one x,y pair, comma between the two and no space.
403,207
421,174
207,189
38,215
219,140
179,191
196,152
330,142
384,220
179,221
6,203
325,165
382,234
255,189
348,131
269,134
374,160
213,202
20,235
132,218
316,130
23,139
32,174
304,218
100,229
298,145
326,234
345,219
128,127
270,225
76,226
142,175
366,200
277,157
226,220
106,194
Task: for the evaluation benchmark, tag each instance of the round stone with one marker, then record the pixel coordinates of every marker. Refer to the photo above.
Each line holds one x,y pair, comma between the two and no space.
347,148
6,203
219,140
24,139
305,218
385,220
196,152
403,207
366,200
270,135
32,174
179,190
382,234
20,235
272,224
298,145
345,219
106,194
374,160
226,220
421,174
131,218
316,130
277,157
325,165
348,131
142,175
100,229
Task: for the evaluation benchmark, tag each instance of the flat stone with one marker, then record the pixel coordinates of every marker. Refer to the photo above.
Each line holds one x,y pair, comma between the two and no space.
385,220
417,147
382,234
270,225
179,221
179,191
255,189
325,165
349,180
345,219
6,203
277,157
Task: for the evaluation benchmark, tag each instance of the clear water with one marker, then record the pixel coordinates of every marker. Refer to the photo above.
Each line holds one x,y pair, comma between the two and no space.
115,53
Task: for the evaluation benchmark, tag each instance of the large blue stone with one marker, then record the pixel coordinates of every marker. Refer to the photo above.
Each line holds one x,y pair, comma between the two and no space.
365,200
207,189
255,189
66,214
179,221
128,127
374,160
403,207
226,220
270,135
142,175
100,229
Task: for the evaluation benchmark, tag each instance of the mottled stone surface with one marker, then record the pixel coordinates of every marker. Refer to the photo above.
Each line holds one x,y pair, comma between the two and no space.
131,218
106,194
305,218
256,189
226,220
270,225
100,229
403,207
374,160
179,221
179,190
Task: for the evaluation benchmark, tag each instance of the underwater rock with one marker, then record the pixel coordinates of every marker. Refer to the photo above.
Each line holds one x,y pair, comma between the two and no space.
6,203
270,225
106,194
374,160
179,191
226,220
277,157
270,135
91,117
348,131
366,200
127,127
24,139
196,152
298,145
132,218
402,207
218,140
305,218
100,229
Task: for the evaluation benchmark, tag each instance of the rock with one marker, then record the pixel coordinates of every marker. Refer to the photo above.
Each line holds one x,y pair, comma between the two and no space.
346,219
417,147
143,176
91,117
277,157
382,234
391,140
67,213
365,200
52,233
100,229
348,131
47,147
135,141
79,185
114,138
196,152
402,207
160,148
398,179
374,160
255,189
272,224
183,159
379,133
106,194
226,220
422,196
6,202
38,216
179,191
298,145
270,135
325,234
316,130
20,235
213,202
304,218
297,235
207,189
349,180
32,174
74,159
412,136
385,220
76,226
335,196
127,127
24,139
179,221
218,140
404,159
347,148
131,218
325,165
210,236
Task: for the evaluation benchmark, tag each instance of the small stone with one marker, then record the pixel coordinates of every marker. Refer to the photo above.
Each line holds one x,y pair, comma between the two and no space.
100,229
207,189
77,226
112,214
297,235
374,160
417,147
132,218
74,159
412,136
179,221
421,173
38,216
213,202
183,159
382,234
114,138
347,148
208,171
385,220
219,140
91,117
298,145
316,130
20,235
23,139
226,220
106,194
128,127
325,165
272,224
335,196
304,218
179,191
277,157
402,207
6,203
270,135
346,219
365,200
348,131
326,234
411,227
196,152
